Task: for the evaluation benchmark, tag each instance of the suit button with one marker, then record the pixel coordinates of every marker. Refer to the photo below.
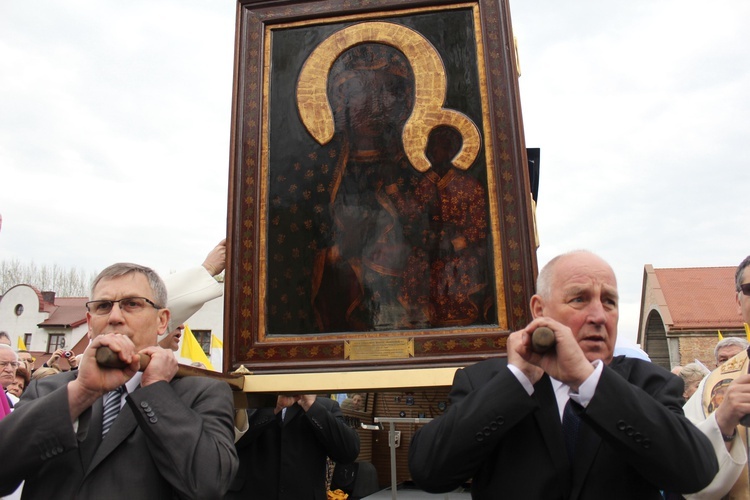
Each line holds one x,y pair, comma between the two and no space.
629,431
646,443
479,436
638,437
500,420
144,404
153,420
621,425
494,426
150,414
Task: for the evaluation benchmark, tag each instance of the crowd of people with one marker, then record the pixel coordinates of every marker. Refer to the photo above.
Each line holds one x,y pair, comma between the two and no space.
575,422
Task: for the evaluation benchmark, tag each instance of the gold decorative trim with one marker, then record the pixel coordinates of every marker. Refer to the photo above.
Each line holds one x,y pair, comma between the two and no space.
429,86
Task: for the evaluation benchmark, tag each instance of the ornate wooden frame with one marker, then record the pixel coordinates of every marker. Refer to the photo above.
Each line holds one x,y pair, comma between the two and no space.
484,106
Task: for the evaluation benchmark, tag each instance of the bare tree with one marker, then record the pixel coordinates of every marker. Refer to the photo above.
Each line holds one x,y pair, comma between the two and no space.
71,282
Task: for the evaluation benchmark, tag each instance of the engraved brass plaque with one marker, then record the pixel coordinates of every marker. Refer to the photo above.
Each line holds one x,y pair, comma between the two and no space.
368,349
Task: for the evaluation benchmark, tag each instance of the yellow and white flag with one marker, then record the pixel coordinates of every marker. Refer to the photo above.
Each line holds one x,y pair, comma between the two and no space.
217,352
22,344
192,350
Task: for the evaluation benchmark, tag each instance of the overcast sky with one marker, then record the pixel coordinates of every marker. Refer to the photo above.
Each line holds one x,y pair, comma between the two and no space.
115,127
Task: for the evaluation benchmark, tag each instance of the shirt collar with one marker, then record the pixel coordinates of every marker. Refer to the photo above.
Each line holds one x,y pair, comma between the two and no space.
134,383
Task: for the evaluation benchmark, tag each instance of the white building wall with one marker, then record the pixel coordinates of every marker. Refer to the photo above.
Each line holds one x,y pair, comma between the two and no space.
209,317
17,325
75,335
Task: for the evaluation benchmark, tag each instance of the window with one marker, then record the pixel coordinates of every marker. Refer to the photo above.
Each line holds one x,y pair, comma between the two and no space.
27,340
19,309
56,341
204,339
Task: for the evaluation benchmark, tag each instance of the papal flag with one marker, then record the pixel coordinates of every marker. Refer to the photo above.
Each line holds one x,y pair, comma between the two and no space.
21,344
192,350
217,352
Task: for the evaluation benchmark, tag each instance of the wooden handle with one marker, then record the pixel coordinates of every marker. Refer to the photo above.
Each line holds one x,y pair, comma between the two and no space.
542,340
106,358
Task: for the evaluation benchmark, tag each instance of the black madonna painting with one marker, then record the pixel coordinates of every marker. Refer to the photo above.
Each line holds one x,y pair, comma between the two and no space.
378,196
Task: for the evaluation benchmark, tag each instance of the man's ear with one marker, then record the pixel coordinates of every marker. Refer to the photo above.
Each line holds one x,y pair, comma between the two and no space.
537,306
164,315
90,331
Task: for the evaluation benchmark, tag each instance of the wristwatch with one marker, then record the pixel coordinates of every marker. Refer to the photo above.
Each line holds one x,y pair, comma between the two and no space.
729,437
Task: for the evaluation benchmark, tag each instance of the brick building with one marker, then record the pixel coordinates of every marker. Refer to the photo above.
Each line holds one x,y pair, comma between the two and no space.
682,310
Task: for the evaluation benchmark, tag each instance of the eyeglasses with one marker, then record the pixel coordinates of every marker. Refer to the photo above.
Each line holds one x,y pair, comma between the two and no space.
3,364
745,289
131,305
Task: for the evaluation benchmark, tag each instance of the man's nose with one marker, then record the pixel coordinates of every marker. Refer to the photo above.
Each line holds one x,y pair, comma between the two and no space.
597,314
115,315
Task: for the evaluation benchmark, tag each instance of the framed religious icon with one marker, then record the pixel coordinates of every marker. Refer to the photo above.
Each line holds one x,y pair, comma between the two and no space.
379,208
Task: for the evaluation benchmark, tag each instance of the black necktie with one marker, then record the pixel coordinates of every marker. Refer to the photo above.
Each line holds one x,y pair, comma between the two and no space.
571,422
111,408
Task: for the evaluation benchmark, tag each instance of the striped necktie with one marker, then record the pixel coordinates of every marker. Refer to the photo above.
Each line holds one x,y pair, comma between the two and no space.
111,408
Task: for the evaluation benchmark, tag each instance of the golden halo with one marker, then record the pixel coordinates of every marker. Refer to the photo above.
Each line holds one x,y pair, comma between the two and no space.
429,89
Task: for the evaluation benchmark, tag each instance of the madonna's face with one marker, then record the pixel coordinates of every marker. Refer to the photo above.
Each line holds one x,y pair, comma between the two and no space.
375,102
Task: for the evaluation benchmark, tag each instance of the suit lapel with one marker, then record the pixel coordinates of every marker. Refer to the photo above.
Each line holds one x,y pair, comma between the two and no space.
90,432
291,412
122,427
550,426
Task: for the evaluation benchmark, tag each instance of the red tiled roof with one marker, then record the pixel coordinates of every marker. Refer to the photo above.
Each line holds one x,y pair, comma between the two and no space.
67,312
700,297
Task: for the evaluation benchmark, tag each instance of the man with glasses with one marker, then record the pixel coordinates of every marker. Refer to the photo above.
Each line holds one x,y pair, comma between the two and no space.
721,402
164,437
8,367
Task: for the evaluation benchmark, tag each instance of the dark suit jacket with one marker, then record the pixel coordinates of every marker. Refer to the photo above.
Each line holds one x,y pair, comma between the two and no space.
634,439
170,440
287,460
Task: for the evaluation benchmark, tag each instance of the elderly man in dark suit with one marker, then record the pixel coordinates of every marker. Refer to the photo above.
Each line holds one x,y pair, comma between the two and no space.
163,437
624,434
